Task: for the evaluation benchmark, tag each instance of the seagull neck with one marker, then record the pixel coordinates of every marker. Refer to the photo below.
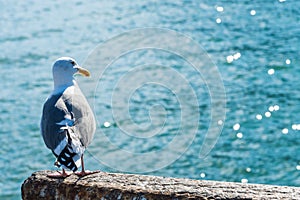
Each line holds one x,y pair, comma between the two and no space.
60,87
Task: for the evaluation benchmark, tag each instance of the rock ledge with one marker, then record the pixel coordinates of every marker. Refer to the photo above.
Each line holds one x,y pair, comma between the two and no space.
128,186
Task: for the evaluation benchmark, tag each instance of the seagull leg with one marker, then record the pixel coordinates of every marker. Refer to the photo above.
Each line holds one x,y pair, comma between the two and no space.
58,174
83,172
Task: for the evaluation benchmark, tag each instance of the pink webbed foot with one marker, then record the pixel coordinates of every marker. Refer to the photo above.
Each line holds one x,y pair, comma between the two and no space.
58,174
85,173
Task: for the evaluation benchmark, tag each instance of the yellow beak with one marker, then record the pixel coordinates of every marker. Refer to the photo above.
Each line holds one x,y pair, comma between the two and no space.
83,71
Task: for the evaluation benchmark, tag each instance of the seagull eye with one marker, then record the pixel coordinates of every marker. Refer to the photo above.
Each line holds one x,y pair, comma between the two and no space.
73,63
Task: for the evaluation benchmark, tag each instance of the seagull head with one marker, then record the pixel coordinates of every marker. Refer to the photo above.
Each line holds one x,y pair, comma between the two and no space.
64,70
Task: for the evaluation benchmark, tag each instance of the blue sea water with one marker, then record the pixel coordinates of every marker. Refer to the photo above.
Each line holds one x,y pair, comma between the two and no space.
254,44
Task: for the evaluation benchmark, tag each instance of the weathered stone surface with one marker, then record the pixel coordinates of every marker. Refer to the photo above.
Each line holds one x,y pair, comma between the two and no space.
127,186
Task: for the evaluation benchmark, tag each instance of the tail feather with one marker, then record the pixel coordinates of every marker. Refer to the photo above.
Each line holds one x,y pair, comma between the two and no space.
65,159
70,156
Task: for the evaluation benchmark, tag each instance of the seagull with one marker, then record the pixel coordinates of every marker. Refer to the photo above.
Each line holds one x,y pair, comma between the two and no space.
68,123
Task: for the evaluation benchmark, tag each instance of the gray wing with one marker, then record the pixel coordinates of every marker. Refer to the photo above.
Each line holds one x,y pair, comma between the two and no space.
85,124
54,111
71,109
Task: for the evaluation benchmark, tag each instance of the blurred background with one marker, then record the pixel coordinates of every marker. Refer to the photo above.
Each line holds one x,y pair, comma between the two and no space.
254,44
